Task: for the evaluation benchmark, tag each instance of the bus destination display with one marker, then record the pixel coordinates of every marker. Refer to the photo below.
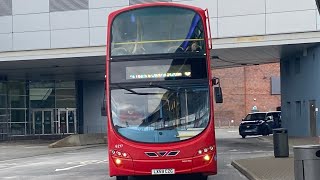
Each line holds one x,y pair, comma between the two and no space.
158,72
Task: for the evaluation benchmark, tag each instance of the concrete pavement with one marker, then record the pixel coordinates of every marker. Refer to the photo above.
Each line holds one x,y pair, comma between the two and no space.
30,148
271,168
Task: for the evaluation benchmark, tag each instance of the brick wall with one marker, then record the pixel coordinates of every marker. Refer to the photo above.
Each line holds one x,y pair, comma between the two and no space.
243,88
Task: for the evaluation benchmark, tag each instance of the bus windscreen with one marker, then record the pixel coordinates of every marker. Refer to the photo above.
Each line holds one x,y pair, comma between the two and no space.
157,30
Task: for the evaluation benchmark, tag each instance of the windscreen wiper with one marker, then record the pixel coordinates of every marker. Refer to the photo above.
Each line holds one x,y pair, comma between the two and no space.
134,92
160,86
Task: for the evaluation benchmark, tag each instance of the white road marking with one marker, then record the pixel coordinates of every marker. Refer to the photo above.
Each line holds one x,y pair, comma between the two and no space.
11,177
80,164
69,168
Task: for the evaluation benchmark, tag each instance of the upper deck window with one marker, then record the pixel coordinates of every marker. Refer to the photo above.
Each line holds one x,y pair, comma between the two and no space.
157,30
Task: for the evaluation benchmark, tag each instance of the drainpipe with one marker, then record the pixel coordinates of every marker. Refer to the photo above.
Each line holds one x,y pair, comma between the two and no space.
245,89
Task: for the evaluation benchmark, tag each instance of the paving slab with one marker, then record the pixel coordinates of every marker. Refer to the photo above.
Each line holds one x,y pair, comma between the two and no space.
271,168
266,168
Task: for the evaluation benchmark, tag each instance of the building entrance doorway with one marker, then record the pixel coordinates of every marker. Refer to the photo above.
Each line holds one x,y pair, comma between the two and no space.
54,121
65,122
42,121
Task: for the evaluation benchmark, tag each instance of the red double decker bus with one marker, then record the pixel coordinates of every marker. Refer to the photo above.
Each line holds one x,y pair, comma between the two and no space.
159,91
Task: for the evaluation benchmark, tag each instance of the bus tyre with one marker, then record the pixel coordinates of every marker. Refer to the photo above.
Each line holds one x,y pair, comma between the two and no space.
265,131
122,178
203,177
243,136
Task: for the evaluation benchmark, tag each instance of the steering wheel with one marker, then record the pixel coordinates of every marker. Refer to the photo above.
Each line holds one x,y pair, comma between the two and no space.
173,49
119,51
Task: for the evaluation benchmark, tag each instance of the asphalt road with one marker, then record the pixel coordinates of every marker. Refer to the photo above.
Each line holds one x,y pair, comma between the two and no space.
91,163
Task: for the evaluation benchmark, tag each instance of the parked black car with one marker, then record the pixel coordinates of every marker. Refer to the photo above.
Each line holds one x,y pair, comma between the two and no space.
260,123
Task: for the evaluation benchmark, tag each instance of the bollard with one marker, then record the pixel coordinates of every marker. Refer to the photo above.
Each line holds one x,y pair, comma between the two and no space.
307,162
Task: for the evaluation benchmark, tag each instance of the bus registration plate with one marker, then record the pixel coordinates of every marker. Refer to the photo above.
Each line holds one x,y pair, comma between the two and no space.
162,171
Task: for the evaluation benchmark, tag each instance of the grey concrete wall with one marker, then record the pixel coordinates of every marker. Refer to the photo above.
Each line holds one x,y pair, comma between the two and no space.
300,83
93,122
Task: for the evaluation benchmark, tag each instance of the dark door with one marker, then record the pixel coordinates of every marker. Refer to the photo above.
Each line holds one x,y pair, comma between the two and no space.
313,118
37,115
71,121
63,121
47,121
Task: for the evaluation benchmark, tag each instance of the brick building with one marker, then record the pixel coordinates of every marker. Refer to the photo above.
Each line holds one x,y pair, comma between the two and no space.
243,88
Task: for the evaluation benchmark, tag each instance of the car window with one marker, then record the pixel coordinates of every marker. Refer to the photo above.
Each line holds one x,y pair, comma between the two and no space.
255,116
276,115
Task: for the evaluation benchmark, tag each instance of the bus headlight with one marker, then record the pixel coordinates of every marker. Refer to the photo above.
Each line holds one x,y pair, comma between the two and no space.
118,161
207,157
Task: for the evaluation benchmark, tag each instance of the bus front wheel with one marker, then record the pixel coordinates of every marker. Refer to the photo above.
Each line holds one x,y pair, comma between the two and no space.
203,177
122,178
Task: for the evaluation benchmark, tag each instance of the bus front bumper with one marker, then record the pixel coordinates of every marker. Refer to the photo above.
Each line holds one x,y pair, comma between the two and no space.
198,164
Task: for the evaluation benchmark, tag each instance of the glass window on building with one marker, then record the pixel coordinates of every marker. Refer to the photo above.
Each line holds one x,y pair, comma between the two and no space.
17,128
17,107
37,107
42,94
17,101
3,88
18,115
3,101
17,88
65,94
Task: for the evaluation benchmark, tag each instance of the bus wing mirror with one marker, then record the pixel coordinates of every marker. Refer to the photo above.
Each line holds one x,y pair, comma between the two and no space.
218,94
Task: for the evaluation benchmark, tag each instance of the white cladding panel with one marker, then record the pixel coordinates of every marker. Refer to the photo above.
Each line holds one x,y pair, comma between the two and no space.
240,7
289,5
29,6
241,26
287,22
98,36
31,22
107,3
214,27
6,42
70,38
98,17
69,19
31,40
5,24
